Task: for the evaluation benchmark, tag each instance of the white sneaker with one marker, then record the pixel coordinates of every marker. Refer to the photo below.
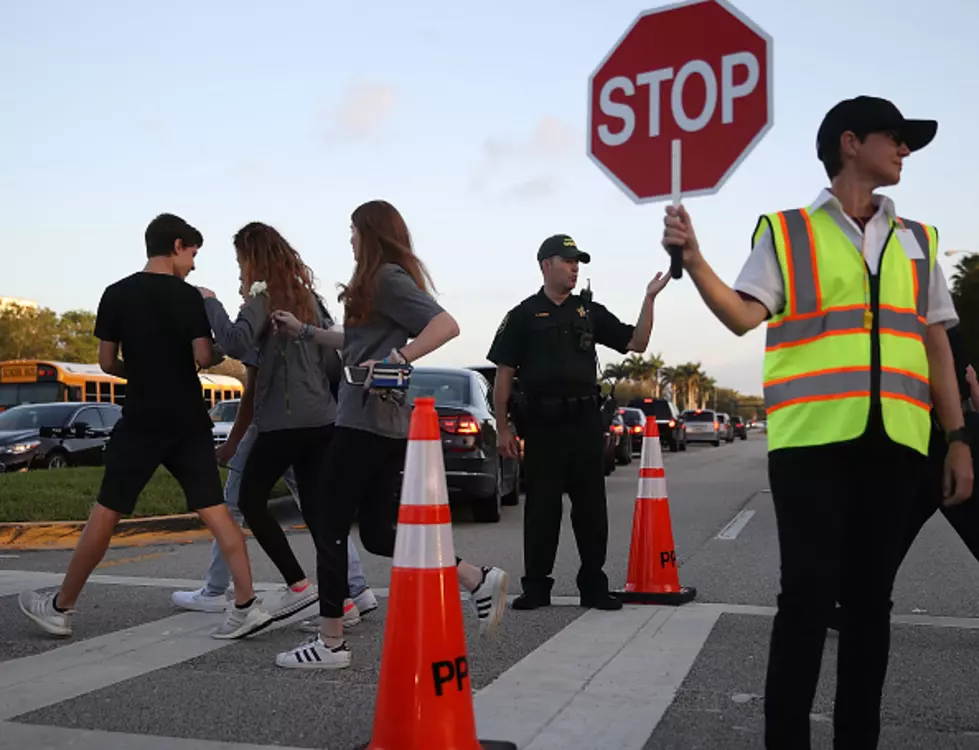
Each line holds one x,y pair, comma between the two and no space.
366,602
351,617
315,654
290,602
198,601
243,622
40,609
489,599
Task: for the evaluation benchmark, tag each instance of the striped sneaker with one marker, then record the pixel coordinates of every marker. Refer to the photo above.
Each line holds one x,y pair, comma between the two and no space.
489,599
315,654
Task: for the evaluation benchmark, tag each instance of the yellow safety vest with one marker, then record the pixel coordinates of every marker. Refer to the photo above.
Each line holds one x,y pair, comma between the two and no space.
821,369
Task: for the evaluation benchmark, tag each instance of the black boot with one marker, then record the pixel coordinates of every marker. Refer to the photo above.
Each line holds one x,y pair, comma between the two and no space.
600,601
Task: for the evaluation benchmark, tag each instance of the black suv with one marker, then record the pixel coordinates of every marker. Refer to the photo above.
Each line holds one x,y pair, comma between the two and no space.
669,421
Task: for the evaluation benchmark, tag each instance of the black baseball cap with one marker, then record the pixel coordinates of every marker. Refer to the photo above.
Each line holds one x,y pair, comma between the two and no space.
869,114
563,245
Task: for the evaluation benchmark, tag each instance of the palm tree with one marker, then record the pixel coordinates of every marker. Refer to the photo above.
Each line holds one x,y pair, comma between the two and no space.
963,269
692,378
636,367
616,371
670,377
654,364
708,387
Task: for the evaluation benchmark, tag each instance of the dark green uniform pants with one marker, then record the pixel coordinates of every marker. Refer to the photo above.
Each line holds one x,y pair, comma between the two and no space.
565,455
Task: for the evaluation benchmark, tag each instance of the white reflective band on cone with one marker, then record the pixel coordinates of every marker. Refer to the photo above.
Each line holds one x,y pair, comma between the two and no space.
424,546
652,488
424,477
652,454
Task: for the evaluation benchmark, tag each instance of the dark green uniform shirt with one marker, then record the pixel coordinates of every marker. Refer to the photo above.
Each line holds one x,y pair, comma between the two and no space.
543,342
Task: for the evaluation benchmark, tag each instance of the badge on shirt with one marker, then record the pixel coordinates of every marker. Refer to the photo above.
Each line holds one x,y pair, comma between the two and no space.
909,243
581,311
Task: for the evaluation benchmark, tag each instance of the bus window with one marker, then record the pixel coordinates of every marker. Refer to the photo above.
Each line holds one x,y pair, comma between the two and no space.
120,393
105,392
91,391
74,393
207,397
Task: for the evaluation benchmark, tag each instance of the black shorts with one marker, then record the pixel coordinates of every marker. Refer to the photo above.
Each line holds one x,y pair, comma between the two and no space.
133,455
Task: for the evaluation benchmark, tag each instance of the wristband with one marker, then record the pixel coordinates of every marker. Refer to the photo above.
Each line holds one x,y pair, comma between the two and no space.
961,435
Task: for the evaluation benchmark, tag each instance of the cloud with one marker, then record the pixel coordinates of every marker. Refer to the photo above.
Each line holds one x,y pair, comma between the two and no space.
363,110
549,145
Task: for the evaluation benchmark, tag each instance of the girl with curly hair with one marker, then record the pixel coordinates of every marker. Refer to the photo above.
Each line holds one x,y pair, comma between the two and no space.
388,314
293,409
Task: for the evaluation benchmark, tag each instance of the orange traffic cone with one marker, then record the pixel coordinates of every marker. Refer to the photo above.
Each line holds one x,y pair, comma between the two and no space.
652,576
424,697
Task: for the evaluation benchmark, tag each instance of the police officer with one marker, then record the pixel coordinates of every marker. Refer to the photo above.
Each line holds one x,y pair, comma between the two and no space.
548,341
857,311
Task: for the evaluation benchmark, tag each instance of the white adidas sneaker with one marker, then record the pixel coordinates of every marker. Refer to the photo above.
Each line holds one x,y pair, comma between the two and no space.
489,599
315,654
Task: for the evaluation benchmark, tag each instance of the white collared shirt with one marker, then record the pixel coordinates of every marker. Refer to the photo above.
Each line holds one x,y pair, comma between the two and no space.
761,276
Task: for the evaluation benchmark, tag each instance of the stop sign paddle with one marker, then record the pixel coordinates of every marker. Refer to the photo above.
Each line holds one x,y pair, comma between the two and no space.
679,101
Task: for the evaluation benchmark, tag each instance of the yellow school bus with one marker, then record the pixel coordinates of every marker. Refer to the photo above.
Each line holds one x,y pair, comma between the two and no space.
32,381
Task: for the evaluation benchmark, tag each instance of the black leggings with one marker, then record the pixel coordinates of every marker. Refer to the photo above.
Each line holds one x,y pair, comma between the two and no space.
273,453
365,484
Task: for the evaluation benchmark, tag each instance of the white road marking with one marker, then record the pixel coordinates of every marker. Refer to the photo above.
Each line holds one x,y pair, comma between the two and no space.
15,736
604,681
737,523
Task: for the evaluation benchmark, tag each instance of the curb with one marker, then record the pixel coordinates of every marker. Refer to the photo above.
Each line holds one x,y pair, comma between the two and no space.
182,528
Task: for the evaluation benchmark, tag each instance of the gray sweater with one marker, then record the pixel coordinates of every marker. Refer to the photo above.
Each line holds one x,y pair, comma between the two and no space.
292,385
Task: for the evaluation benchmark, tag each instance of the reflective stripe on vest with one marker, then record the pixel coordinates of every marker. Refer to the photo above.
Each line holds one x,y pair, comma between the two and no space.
817,369
845,383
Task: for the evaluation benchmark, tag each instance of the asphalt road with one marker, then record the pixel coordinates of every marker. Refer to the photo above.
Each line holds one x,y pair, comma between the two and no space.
187,687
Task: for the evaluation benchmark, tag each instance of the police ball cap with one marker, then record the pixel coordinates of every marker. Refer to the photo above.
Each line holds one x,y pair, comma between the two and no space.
564,246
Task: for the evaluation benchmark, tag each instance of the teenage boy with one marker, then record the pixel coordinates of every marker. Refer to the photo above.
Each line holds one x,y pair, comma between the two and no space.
158,322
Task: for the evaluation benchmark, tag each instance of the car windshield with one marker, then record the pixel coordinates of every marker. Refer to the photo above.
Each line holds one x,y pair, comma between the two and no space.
225,412
699,416
445,387
36,417
631,417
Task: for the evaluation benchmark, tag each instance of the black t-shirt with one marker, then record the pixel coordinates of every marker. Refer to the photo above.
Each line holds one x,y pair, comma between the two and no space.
543,342
155,319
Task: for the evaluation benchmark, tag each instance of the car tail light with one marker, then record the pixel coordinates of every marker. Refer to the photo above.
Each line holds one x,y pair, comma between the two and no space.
717,426
636,428
617,429
672,423
461,425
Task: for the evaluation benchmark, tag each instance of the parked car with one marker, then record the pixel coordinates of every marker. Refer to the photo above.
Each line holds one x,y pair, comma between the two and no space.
27,440
223,416
474,467
489,372
702,426
623,450
725,427
740,427
635,426
670,421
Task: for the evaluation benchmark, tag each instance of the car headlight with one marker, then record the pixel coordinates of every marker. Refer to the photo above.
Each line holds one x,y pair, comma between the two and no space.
18,448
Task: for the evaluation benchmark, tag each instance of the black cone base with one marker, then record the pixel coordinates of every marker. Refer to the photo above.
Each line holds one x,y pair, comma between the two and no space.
673,599
496,745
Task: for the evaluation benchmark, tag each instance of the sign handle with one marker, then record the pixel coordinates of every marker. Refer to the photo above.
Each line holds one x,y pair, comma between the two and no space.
676,252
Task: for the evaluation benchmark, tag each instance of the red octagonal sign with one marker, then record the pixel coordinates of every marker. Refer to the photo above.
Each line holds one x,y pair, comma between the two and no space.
699,72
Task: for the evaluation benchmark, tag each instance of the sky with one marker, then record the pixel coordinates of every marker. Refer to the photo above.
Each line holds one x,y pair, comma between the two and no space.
471,119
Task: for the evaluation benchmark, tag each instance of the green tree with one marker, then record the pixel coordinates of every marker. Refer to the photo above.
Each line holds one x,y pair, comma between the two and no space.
76,337
965,295
28,333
